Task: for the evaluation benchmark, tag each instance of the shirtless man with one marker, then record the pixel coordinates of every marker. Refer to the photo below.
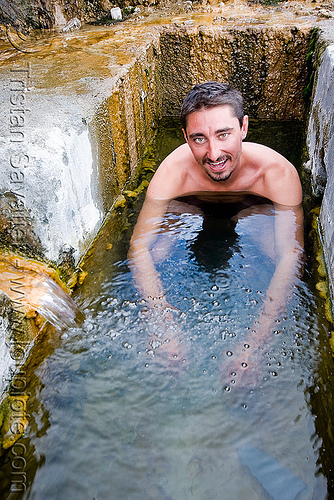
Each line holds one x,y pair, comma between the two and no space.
215,162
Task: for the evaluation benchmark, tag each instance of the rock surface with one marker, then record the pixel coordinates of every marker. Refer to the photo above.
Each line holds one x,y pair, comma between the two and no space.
320,141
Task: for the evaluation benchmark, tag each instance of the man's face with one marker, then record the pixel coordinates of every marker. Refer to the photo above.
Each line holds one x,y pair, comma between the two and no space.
215,139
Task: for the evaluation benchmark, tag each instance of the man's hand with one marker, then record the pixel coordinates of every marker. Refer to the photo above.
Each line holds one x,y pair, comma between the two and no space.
243,366
166,345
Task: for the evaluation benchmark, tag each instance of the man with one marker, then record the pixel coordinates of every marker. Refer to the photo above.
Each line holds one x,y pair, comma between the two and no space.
215,164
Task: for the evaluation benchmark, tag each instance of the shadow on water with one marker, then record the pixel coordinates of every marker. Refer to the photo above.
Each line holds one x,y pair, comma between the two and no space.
108,419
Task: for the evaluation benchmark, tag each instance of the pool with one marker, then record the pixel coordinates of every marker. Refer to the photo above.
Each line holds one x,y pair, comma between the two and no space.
109,419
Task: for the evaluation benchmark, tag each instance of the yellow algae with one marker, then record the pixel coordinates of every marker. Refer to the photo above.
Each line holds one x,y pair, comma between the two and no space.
331,342
328,308
130,194
13,419
133,194
321,286
322,270
120,202
77,278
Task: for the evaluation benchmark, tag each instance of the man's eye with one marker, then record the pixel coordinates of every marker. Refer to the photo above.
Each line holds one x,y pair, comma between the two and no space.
199,140
223,136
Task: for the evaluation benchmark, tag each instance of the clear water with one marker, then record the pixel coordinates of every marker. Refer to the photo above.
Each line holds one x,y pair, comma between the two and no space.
108,420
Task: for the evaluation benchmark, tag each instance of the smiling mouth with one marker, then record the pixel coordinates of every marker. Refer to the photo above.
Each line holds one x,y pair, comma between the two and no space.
217,166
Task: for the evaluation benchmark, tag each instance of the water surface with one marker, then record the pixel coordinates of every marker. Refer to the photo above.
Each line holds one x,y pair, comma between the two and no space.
109,420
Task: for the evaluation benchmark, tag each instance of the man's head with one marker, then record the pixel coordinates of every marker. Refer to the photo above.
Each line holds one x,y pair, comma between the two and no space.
210,95
214,127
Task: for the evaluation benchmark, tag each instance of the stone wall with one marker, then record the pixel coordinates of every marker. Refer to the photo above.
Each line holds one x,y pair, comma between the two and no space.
320,140
266,64
44,14
124,123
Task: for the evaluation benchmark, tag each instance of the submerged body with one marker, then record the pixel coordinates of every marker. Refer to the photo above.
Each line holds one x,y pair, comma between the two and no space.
216,165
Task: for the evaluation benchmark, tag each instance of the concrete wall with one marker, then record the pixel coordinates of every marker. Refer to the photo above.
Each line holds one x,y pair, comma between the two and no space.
69,147
70,150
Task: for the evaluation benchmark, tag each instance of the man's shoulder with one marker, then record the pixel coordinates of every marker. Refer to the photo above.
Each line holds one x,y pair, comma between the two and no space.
279,178
181,154
264,154
171,173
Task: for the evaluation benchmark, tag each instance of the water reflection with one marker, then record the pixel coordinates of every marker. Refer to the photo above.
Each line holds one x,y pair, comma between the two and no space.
110,420
131,427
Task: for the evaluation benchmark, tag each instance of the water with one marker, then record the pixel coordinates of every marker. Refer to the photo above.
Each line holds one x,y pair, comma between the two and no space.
110,418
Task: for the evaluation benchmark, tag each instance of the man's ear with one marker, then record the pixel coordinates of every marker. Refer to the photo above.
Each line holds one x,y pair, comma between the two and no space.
244,128
185,134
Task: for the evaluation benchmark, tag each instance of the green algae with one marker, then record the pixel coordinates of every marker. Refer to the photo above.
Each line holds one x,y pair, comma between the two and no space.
307,92
322,281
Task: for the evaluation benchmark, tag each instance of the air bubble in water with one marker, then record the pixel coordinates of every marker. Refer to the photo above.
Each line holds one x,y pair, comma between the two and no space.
244,365
227,388
226,334
246,346
215,288
127,345
229,353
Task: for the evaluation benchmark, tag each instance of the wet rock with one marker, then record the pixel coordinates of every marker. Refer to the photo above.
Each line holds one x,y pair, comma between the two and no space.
188,5
73,24
320,141
325,13
16,229
116,14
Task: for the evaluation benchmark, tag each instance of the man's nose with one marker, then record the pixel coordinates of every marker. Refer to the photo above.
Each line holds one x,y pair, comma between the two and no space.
214,150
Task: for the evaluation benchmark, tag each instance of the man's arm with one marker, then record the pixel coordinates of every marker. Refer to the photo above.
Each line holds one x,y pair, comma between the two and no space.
246,362
145,233
166,184
289,250
165,332
283,187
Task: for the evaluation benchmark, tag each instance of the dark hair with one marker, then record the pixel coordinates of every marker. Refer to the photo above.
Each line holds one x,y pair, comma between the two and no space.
210,95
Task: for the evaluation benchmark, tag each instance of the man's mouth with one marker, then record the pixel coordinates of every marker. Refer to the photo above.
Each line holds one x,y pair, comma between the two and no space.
217,166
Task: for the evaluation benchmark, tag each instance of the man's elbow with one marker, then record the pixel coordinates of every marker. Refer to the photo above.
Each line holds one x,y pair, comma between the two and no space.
137,250
293,260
